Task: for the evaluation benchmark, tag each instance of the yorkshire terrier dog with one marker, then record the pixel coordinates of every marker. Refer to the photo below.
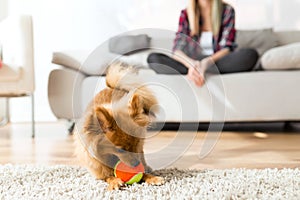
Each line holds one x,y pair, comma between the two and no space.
115,124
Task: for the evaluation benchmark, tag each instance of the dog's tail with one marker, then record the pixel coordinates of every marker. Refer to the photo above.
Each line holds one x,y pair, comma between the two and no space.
123,76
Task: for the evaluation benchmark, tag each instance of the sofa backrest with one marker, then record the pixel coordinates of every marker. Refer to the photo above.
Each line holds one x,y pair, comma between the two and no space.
287,37
265,39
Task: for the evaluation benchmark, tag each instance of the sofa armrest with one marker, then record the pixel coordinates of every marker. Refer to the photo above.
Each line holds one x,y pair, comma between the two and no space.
64,92
86,61
72,59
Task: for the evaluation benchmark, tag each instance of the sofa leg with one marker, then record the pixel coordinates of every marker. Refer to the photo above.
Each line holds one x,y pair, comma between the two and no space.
290,126
71,128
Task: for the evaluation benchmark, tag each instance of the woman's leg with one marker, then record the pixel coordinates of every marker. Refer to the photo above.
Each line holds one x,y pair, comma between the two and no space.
238,61
163,64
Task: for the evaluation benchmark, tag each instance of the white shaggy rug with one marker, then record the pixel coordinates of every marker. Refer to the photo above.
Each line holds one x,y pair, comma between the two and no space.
67,182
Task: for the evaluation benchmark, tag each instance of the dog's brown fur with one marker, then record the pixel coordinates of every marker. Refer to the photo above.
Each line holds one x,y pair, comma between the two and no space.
115,124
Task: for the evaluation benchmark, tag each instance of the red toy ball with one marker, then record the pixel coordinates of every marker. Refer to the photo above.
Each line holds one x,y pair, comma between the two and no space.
129,174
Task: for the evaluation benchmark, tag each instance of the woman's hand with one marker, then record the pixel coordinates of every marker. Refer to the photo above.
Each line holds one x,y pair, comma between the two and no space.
196,73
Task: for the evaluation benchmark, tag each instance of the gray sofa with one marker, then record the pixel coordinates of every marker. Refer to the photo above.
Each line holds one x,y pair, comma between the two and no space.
270,93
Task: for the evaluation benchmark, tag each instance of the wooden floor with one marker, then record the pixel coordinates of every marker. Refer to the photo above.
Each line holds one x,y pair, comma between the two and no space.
187,149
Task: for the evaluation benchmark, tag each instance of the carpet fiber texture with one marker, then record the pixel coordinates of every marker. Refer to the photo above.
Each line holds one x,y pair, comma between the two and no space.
69,182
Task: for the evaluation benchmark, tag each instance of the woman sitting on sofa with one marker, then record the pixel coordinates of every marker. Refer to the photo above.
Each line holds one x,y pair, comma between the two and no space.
205,36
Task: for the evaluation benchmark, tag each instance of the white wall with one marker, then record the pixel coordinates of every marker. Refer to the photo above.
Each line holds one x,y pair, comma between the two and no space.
3,9
281,15
84,24
286,14
253,14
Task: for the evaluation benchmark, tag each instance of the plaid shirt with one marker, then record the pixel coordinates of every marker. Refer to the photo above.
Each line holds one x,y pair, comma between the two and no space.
190,45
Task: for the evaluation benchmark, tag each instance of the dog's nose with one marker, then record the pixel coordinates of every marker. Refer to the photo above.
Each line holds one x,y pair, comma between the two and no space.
120,150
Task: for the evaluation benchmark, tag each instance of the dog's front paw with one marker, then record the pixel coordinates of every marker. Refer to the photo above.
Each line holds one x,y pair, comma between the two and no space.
153,180
114,183
148,169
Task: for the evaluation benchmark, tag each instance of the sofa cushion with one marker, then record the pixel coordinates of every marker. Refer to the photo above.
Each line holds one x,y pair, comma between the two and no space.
287,37
128,44
283,57
87,62
261,40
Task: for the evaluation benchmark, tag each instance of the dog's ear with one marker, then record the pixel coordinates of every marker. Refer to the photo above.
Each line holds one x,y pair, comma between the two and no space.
106,121
137,112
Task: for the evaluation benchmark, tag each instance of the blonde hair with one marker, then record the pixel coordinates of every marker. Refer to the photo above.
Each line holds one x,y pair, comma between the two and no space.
193,12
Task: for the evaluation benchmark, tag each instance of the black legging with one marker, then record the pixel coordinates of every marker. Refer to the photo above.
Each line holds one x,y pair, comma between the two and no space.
238,61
